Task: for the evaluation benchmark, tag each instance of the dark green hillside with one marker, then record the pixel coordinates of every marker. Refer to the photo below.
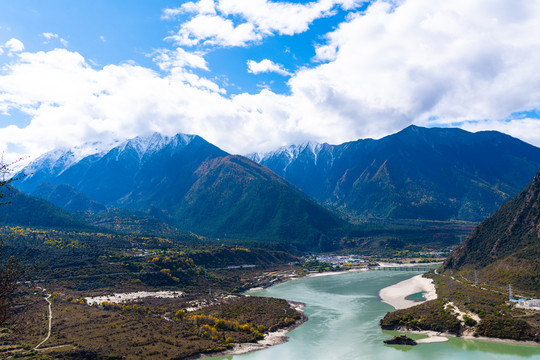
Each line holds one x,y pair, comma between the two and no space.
505,248
26,210
235,197
67,198
124,221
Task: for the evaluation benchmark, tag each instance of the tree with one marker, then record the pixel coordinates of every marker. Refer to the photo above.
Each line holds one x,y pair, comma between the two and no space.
12,271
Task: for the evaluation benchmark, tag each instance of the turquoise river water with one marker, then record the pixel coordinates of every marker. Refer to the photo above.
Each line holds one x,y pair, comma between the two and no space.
344,311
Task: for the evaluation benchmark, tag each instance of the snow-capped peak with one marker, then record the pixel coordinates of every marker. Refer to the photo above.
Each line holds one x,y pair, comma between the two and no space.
155,142
287,154
59,160
290,151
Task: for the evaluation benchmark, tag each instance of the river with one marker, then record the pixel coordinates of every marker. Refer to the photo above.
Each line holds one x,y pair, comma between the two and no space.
344,311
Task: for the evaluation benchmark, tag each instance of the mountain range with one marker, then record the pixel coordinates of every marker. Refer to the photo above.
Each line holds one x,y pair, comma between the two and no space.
417,173
185,181
192,185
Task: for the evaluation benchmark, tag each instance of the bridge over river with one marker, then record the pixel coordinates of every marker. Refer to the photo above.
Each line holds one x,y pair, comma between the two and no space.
402,268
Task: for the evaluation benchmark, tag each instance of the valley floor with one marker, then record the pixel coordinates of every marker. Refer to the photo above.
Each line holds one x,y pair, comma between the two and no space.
149,323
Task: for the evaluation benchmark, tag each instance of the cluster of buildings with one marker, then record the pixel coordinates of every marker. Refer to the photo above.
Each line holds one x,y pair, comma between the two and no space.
343,260
531,304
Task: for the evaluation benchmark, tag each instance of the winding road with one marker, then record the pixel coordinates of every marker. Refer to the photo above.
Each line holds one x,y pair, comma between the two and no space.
50,323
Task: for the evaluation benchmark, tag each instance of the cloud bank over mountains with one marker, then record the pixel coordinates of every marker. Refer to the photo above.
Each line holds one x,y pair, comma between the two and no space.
430,62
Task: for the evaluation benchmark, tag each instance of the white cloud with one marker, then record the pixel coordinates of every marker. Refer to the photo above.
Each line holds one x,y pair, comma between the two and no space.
449,60
171,13
200,7
266,66
213,24
350,4
179,59
49,36
526,129
71,102
13,45
215,30
429,62
277,17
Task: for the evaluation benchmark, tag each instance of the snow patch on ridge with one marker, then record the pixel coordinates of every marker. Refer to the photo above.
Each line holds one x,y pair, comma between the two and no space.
57,161
154,143
288,153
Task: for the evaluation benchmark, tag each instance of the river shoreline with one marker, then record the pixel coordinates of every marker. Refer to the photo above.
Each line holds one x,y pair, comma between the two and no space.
280,336
395,295
270,339
433,334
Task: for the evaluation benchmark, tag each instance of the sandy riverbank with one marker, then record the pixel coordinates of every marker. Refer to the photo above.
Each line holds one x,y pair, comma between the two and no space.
329,273
395,295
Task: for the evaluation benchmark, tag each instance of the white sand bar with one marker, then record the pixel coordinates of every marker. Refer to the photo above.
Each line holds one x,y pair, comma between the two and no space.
432,340
395,294
134,296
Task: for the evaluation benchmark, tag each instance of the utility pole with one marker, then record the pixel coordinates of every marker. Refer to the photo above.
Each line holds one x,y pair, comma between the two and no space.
475,278
510,297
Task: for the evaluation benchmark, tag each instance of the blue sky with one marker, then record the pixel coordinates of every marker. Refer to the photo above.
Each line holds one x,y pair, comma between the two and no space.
105,31
113,32
253,75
